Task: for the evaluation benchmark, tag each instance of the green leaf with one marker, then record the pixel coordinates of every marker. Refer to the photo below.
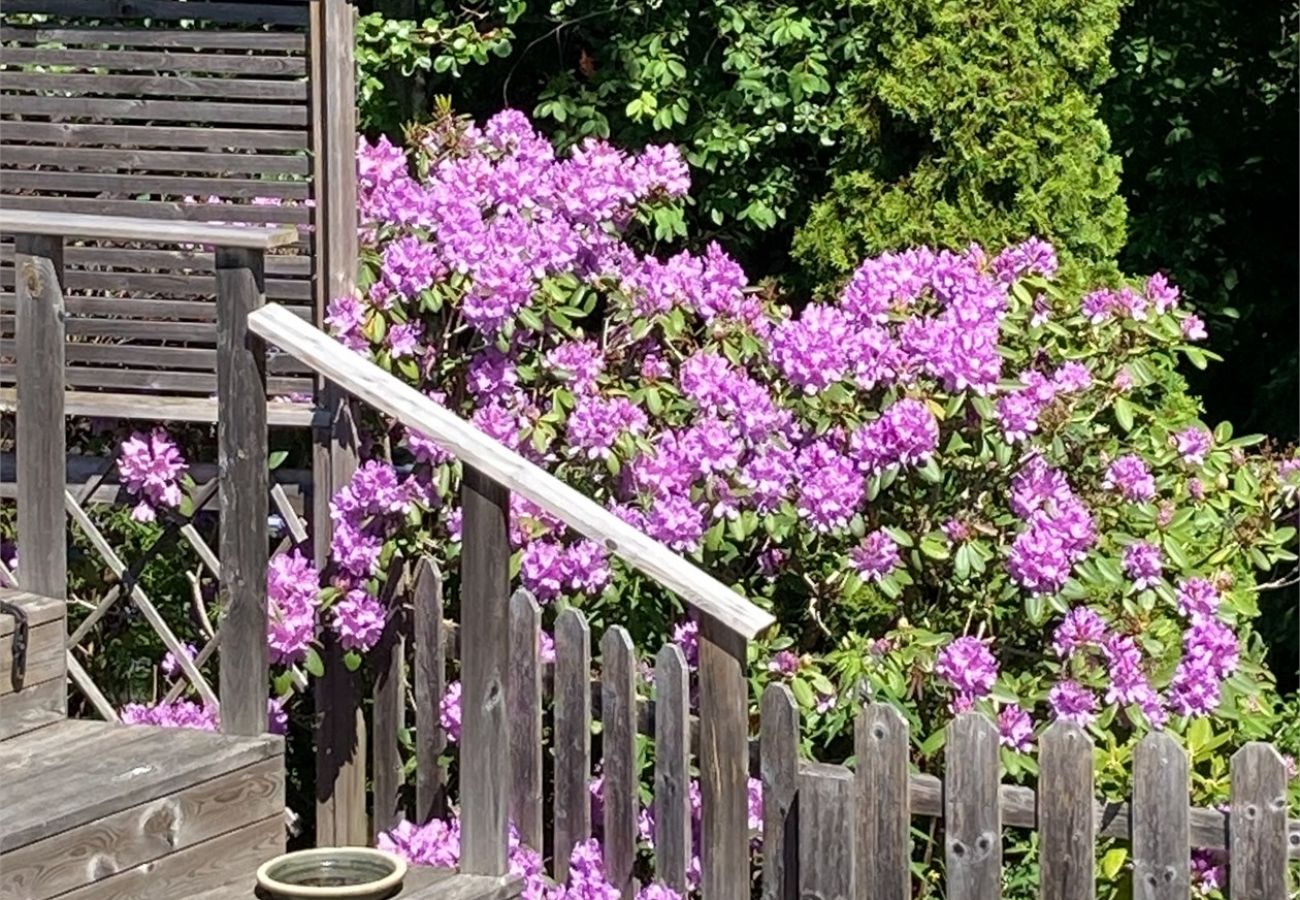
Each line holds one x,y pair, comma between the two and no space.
803,692
1124,413
313,663
1113,862
352,660
275,460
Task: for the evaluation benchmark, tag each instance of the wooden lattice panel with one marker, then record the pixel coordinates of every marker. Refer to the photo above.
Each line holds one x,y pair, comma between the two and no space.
201,112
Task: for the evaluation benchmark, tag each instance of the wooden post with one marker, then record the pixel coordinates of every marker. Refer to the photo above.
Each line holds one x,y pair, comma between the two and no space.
485,650
779,765
243,488
572,737
525,697
884,805
826,841
42,530
430,680
618,741
1161,826
672,801
1066,823
724,757
389,717
1257,829
972,809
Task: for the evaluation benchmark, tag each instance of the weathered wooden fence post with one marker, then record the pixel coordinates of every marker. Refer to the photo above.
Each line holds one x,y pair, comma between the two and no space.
1066,821
972,810
826,836
779,768
884,805
42,529
1257,829
389,712
1161,821
484,654
525,697
724,759
672,803
572,736
430,683
618,741
243,487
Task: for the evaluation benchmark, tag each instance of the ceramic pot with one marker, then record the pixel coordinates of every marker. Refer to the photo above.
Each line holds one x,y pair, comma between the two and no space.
354,873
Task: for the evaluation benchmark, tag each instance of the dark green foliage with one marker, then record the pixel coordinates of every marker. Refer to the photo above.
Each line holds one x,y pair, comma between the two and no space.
1203,112
973,122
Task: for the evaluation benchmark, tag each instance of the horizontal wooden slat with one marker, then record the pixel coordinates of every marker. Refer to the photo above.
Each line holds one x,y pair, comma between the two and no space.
159,61
119,159
157,37
191,332
164,283
171,358
171,137
200,261
173,85
132,185
160,213
155,110
111,228
294,13
136,308
158,381
110,405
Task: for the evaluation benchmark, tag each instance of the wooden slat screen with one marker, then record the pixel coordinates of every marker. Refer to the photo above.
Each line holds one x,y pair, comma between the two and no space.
192,110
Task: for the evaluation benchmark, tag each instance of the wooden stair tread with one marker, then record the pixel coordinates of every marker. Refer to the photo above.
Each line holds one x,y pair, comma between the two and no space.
421,883
75,772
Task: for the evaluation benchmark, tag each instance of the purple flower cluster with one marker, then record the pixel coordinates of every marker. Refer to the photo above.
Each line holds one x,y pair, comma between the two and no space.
1131,478
1144,563
1016,728
189,714
905,434
1192,444
549,569
151,466
292,589
1073,702
1059,529
1083,638
876,557
970,668
1018,410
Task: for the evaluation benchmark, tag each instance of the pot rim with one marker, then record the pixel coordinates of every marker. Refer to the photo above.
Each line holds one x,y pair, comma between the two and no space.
388,882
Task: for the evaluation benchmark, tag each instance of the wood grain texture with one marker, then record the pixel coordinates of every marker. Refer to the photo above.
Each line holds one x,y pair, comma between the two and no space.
44,657
779,768
243,484
618,760
724,775
114,159
1258,869
407,405
155,61
40,609
1065,813
672,801
485,734
144,833
430,682
187,38
163,211
524,693
133,183
572,740
70,225
39,431
389,713
827,843
228,13
1161,833
884,821
34,707
972,821
333,129
76,134
173,85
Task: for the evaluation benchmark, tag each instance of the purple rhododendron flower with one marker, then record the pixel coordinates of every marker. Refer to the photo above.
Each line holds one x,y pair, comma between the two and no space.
1016,728
1073,702
876,556
1130,476
151,466
969,667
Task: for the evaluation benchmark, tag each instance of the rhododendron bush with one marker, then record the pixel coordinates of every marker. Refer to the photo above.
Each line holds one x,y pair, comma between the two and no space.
956,485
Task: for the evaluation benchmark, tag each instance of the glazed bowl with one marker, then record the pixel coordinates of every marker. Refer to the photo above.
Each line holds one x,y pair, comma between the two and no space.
353,873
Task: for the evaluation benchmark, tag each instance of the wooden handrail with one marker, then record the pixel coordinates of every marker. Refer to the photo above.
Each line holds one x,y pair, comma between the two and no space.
158,231
390,395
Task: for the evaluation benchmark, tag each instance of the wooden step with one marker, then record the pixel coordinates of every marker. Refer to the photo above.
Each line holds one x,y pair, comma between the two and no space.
421,883
41,697
111,812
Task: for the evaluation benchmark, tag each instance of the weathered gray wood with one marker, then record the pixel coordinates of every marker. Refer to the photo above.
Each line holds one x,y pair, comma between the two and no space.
179,409
44,657
170,85
243,485
194,869
672,801
972,826
827,843
1161,833
188,38
154,61
116,159
163,210
884,821
779,767
163,283
430,682
131,183
485,735
110,228
1258,824
333,131
1065,814
42,530
525,698
89,689
78,134
389,713
145,832
35,706
572,737
122,354
40,609
390,395
216,13
618,767
158,380
724,776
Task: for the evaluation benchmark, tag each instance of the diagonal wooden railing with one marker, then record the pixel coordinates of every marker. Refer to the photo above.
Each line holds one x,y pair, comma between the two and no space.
491,472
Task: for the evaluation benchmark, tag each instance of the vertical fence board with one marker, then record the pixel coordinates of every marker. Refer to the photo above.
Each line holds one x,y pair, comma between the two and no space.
618,768
389,718
1257,825
724,758
972,816
827,843
672,803
1066,821
1161,827
485,648
525,697
572,736
779,768
42,528
430,682
243,488
884,805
